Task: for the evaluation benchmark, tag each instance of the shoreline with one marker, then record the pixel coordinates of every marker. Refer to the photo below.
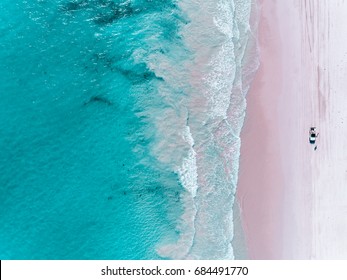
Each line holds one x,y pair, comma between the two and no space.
262,187
260,184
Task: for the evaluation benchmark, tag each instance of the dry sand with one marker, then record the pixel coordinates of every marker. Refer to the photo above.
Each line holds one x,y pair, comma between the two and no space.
293,199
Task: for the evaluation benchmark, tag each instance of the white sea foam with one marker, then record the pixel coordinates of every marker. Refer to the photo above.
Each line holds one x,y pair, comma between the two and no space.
219,81
188,170
197,131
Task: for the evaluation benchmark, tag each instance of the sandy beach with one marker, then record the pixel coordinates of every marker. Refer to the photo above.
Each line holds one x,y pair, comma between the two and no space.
293,198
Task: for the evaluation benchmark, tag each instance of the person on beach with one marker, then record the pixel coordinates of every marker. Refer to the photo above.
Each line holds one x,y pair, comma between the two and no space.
313,136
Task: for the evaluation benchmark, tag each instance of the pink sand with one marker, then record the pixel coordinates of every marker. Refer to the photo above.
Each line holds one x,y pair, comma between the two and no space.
293,198
262,180
260,187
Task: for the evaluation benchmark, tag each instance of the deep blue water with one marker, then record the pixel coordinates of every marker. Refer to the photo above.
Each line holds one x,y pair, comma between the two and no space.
77,178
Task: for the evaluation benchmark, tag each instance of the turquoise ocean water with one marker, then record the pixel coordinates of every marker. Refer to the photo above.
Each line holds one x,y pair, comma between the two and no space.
110,115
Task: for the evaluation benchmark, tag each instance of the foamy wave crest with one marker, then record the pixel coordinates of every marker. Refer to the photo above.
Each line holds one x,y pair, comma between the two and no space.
188,171
199,119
